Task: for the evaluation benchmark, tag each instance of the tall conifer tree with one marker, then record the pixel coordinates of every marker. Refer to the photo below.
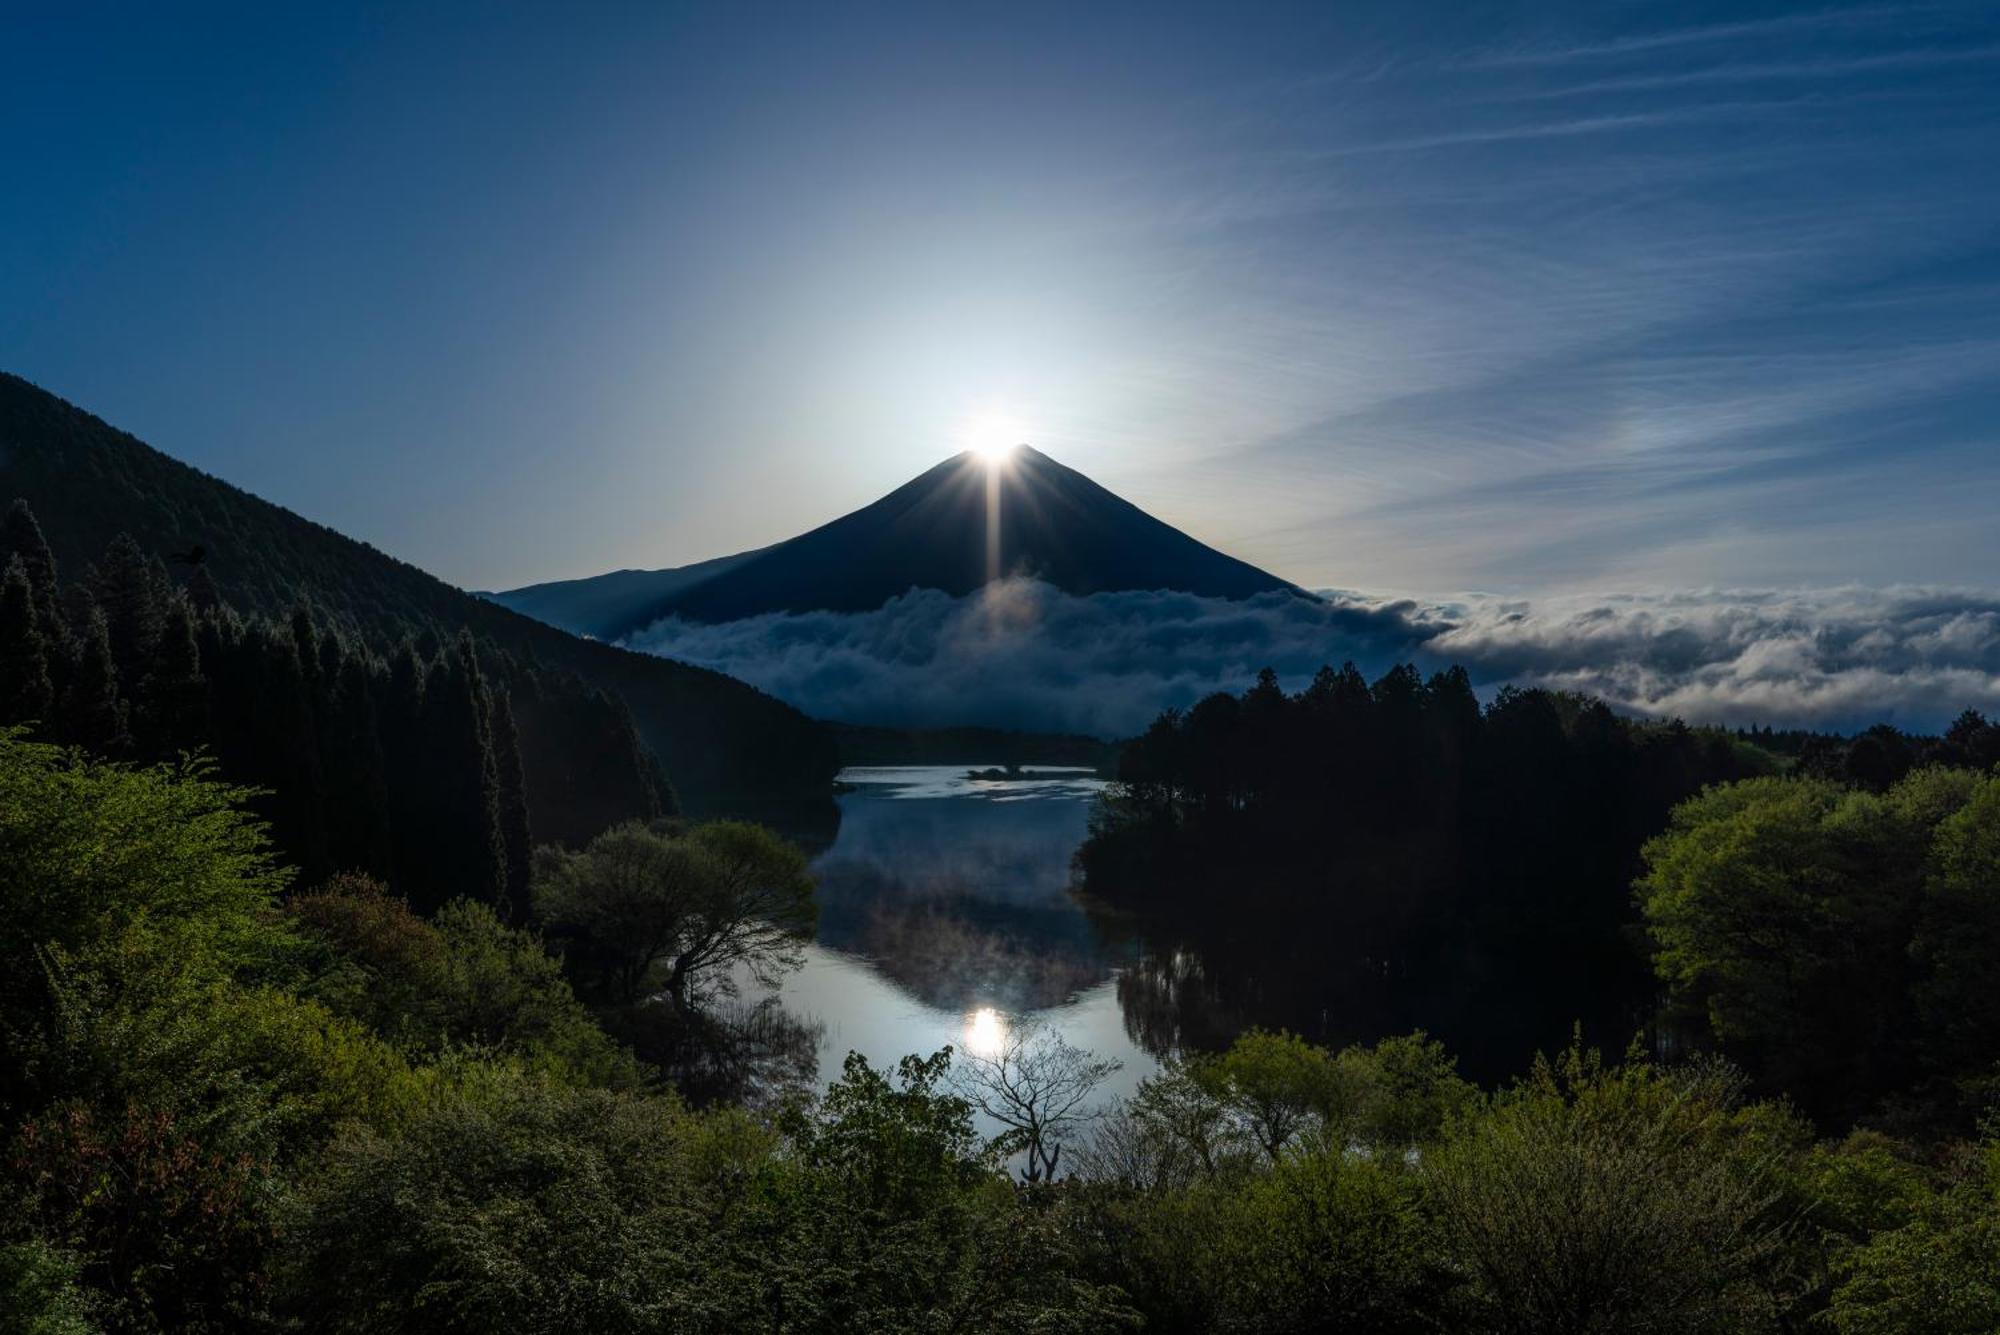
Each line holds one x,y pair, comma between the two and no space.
125,586
405,766
177,715
306,638
516,838
26,691
21,536
202,593
93,714
288,745
460,798
360,830
486,848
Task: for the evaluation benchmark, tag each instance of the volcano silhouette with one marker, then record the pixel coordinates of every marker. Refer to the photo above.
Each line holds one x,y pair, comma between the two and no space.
932,532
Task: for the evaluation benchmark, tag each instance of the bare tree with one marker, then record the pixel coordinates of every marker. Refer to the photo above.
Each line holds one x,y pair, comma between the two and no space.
1038,1085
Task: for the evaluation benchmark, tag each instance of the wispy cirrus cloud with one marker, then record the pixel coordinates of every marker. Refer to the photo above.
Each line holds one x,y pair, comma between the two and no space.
1839,19
1921,58
1726,290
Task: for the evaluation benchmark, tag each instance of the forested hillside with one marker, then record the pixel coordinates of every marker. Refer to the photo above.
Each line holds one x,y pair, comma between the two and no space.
432,767
719,740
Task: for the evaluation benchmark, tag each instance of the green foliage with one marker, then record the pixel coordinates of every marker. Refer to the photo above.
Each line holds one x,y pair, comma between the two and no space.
41,1292
1271,1096
1797,871
1933,1264
1589,1199
1957,945
891,1141
157,1087
1860,1185
1280,1086
1409,1090
508,1203
90,850
1183,1124
460,979
1321,1241
511,1203
1838,942
1326,1242
1210,1228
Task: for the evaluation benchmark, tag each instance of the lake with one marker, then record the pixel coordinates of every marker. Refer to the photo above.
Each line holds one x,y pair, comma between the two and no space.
945,916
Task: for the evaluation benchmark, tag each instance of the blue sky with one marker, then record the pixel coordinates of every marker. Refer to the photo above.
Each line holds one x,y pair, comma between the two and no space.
1523,299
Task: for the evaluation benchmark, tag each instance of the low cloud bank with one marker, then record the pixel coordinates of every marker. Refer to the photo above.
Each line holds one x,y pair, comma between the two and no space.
1022,654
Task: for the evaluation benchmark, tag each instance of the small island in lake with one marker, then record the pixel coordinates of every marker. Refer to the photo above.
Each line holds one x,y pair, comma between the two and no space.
1015,774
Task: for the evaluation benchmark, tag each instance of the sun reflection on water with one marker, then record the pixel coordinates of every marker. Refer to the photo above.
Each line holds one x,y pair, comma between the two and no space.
985,1032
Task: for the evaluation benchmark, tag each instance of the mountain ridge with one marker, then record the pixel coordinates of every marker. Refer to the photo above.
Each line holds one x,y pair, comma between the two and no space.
583,605
1055,524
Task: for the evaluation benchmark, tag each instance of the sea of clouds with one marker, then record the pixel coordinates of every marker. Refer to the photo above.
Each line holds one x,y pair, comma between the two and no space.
1021,654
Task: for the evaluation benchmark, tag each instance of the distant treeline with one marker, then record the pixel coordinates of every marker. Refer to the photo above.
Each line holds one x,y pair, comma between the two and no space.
1360,858
433,769
722,742
1882,755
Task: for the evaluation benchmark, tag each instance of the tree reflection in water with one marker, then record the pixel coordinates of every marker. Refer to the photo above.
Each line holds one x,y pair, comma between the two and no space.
962,900
943,900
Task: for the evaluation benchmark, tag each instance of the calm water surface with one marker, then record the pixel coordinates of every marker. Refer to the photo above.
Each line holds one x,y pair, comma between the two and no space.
945,915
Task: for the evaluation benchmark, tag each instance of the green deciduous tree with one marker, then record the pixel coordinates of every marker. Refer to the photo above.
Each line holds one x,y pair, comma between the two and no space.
460,978
1590,1200
1838,942
1783,910
1279,1084
513,1204
1936,1269
1957,946
155,1087
641,909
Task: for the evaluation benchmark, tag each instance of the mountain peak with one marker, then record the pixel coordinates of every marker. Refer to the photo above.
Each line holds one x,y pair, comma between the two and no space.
936,531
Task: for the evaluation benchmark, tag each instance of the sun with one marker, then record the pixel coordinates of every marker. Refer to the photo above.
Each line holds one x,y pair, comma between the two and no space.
993,436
